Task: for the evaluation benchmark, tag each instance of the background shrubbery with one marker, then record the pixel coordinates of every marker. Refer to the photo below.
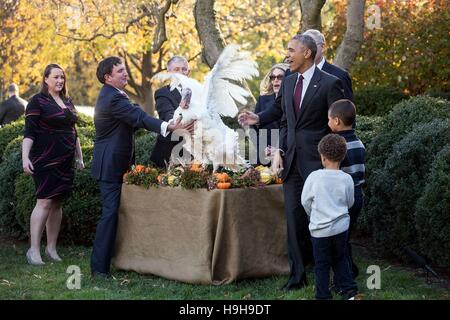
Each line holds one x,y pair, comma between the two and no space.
145,141
377,101
402,177
433,210
81,210
407,193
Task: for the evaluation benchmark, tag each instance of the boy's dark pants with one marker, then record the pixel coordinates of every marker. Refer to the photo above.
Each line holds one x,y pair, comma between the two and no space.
354,213
331,252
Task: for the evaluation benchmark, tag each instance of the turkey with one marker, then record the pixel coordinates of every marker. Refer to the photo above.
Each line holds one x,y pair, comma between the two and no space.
213,142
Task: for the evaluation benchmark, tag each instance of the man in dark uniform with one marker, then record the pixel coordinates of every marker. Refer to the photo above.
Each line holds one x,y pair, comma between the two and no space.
12,108
167,102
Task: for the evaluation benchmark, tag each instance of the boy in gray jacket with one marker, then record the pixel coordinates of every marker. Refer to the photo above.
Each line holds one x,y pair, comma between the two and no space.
327,195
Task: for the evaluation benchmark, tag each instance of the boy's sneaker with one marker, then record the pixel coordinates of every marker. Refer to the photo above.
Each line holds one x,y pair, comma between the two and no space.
351,295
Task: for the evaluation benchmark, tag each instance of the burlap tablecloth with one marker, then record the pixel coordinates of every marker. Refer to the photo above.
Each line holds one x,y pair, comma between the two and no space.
200,236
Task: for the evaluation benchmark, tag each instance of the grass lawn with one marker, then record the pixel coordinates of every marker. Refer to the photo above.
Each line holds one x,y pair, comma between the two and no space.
21,281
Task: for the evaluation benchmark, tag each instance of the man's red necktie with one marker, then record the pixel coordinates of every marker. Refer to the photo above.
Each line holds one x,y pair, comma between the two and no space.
298,95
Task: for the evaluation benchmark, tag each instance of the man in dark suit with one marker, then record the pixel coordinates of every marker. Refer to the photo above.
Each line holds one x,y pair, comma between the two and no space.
302,104
324,65
12,108
166,103
306,97
115,120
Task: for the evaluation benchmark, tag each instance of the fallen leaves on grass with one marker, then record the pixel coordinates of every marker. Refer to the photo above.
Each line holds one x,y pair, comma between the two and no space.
7,283
248,296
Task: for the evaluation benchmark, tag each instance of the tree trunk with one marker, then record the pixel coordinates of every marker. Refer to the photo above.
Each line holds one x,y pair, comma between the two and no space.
142,92
208,31
310,10
212,40
354,35
148,104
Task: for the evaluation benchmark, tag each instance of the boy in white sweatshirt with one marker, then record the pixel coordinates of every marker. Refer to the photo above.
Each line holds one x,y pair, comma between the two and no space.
327,195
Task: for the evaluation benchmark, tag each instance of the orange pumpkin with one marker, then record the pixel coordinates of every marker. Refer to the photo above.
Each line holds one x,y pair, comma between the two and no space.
223,185
196,167
222,177
159,177
278,181
139,168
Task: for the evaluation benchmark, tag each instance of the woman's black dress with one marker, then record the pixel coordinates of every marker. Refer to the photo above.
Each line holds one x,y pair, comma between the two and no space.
52,129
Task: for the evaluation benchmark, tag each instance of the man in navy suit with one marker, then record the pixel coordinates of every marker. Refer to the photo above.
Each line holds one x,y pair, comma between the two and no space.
166,102
324,65
115,120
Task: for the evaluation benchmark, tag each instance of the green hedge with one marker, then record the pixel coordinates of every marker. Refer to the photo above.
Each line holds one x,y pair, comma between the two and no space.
367,128
9,133
81,210
396,188
144,146
84,121
24,202
10,168
377,101
433,211
399,158
400,121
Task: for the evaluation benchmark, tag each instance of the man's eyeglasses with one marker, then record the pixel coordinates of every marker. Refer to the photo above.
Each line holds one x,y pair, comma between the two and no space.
280,77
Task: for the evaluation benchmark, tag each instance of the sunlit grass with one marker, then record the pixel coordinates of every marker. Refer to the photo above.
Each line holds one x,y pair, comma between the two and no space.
21,281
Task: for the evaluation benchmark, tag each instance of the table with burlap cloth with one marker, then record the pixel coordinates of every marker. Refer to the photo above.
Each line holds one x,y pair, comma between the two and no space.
201,236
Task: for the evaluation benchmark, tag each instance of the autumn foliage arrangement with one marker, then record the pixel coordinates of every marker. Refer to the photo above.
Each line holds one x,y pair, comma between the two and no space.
197,177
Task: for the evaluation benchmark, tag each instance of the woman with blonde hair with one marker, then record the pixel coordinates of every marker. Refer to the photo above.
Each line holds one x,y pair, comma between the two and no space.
269,88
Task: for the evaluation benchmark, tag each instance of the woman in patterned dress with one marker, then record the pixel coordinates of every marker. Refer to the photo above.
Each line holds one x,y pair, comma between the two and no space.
49,148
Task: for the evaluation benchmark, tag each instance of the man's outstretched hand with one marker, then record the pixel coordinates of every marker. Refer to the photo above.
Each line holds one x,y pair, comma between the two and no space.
248,118
178,126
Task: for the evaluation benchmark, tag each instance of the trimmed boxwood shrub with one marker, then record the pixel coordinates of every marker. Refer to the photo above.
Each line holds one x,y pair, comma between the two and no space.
396,188
84,120
433,211
400,121
442,95
9,169
81,210
376,100
367,127
25,201
10,132
144,146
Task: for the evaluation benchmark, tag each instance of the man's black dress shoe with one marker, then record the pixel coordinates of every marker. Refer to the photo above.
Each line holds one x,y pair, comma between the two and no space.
355,270
294,286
